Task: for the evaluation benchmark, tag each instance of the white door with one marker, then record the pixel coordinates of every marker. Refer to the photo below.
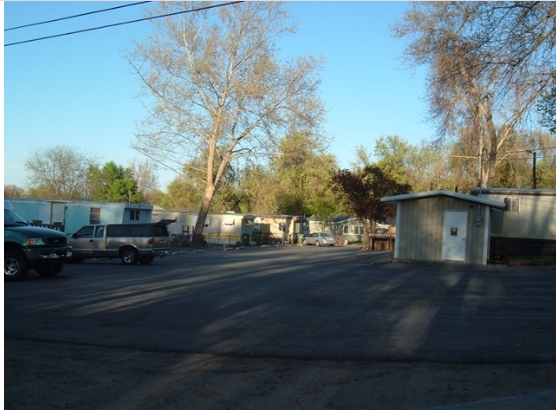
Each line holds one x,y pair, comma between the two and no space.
454,235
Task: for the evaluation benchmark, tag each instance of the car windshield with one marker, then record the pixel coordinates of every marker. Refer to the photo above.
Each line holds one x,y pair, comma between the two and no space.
11,218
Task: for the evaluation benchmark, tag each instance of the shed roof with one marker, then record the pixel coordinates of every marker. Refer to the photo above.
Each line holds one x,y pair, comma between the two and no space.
442,192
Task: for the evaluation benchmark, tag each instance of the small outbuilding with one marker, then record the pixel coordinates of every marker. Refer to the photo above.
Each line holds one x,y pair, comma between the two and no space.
443,226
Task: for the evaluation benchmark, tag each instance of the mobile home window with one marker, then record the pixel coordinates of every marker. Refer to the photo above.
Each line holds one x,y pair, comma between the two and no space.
135,215
94,216
359,230
346,229
512,204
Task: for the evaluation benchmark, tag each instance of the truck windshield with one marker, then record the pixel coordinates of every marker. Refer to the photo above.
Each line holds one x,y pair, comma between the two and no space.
11,218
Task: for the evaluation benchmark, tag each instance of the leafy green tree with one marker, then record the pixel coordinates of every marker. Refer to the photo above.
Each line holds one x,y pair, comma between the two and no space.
113,183
546,173
424,166
362,158
392,155
304,170
547,108
260,187
181,194
361,193
325,210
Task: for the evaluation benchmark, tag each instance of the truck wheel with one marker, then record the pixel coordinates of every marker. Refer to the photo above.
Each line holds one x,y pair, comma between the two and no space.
146,260
16,266
129,256
50,271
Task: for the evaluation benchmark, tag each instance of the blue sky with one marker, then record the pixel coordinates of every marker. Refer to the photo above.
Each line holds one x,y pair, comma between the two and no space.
78,91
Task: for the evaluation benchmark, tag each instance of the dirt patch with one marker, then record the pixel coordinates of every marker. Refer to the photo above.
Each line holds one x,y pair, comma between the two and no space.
50,375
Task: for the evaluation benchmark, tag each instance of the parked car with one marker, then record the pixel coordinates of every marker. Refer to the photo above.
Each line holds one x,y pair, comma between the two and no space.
319,239
29,247
132,243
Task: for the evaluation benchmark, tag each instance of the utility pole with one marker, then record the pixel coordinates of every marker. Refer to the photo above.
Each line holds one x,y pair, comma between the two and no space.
534,167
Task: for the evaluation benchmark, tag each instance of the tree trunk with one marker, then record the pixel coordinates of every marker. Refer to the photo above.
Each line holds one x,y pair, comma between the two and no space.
197,239
366,239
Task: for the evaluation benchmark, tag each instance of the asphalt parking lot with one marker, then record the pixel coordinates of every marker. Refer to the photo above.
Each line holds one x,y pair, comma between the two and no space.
297,302
294,303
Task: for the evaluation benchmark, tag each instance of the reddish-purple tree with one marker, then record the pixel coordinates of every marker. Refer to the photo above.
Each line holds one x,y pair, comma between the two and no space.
361,191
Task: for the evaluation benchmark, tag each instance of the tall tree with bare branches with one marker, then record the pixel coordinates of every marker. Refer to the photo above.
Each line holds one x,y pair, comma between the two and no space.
489,62
217,89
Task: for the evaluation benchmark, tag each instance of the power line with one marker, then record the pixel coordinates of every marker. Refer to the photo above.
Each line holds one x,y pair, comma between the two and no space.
121,23
75,16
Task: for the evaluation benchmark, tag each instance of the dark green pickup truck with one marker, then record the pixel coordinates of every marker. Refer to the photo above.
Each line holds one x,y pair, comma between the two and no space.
29,247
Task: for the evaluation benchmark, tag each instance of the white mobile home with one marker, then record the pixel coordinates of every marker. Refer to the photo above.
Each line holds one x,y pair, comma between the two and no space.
280,228
527,226
69,216
41,212
225,228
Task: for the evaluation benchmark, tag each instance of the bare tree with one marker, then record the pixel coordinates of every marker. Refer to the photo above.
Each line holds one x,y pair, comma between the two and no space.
145,177
13,191
218,90
60,172
488,64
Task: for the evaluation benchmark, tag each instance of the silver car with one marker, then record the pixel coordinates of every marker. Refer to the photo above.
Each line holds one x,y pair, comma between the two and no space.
319,239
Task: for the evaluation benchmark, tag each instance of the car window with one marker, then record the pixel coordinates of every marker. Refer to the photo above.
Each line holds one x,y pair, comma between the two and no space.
160,230
11,218
100,232
140,231
85,232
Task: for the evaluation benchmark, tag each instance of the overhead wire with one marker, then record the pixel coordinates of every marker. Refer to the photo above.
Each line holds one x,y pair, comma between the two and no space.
76,15
122,23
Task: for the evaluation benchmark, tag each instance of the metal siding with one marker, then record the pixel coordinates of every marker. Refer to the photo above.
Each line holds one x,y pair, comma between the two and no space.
420,225
536,218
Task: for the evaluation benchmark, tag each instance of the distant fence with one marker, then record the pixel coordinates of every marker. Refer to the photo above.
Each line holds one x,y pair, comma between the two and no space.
216,238
58,226
382,241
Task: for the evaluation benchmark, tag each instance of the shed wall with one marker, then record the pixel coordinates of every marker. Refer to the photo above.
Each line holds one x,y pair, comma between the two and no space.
420,224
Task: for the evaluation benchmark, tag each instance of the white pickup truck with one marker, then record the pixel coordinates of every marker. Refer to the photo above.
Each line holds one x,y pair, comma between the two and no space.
132,243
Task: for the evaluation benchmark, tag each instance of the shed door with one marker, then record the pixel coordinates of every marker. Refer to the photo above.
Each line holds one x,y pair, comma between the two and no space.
454,234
